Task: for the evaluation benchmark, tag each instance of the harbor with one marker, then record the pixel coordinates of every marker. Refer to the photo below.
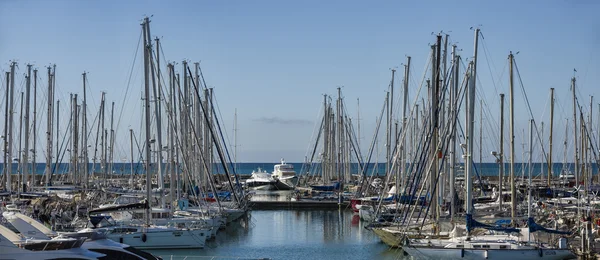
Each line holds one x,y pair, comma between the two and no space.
299,131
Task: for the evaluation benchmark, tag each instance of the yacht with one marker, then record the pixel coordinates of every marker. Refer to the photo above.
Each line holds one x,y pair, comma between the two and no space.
286,174
261,180
490,248
160,216
45,239
11,251
147,236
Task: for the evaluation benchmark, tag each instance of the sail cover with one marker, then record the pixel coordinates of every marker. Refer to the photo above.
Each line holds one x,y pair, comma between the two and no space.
472,224
125,207
534,227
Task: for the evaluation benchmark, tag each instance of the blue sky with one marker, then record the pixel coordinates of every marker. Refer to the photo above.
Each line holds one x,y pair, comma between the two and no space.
273,60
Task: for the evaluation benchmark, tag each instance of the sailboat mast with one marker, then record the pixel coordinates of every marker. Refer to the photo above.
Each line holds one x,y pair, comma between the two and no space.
529,162
501,155
513,194
390,119
6,155
453,99
403,159
157,110
550,138
576,146
33,151
147,47
10,127
85,135
20,162
131,154
470,124
26,168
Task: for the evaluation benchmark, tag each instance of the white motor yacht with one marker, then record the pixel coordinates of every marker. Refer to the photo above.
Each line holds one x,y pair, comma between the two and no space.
286,174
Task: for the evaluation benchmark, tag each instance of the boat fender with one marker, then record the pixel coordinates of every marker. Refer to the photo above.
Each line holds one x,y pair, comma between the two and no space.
462,252
485,254
541,253
121,240
144,238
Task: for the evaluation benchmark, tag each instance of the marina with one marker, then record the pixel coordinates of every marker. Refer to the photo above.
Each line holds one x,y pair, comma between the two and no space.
298,131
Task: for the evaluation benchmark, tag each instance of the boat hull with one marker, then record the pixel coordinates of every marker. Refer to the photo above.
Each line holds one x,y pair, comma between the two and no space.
468,253
167,239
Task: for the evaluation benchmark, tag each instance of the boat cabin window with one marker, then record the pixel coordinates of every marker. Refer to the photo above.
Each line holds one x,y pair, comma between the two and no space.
476,246
485,246
503,247
124,230
460,246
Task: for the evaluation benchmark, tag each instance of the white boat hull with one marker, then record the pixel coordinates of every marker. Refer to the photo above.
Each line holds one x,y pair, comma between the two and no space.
164,239
501,254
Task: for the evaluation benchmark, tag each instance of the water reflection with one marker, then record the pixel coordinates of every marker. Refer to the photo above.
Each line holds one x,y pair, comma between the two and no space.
294,234
281,195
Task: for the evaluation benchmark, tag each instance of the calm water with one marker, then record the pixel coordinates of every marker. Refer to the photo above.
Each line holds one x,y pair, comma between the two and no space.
292,234
484,169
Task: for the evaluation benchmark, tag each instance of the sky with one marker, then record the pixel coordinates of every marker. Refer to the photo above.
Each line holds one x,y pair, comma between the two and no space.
271,62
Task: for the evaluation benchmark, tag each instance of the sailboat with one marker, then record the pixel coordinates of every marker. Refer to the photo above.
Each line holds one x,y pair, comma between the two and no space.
147,236
494,245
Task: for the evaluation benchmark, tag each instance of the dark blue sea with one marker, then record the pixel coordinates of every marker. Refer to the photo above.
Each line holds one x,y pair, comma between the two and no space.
483,169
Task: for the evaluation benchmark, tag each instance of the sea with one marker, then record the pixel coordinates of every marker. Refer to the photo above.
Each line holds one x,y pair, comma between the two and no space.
292,234
371,169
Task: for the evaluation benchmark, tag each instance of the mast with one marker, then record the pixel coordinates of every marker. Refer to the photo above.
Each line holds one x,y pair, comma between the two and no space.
26,168
513,194
57,127
111,147
10,127
389,126
403,158
358,120
576,146
33,151
103,138
590,178
157,110
453,100
57,130
501,155
74,139
431,84
6,155
131,154
235,139
20,162
469,149
146,32
170,130
550,138
85,135
529,178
